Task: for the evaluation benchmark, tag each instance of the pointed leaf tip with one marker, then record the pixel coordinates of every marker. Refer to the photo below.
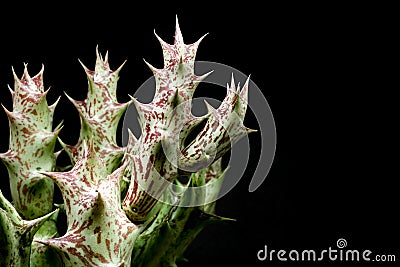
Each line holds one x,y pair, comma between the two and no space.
232,86
201,38
120,67
151,67
178,33
86,69
210,108
14,74
26,75
106,57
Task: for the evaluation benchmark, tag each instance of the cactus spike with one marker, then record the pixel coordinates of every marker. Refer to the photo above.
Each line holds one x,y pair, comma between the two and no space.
153,69
162,42
143,110
16,78
120,67
245,90
166,49
106,57
43,95
25,75
11,90
249,130
86,69
54,105
33,225
178,34
58,129
210,109
57,154
98,55
78,104
203,76
200,40
241,103
8,113
63,145
101,66
232,86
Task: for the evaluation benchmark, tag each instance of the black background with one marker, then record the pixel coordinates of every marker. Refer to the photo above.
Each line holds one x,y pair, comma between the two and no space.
326,72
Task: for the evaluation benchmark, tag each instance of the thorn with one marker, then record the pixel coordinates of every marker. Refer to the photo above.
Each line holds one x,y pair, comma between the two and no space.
151,67
70,98
131,136
84,67
33,225
88,72
232,87
16,79
141,107
10,89
178,33
58,128
201,39
106,57
244,93
249,131
63,145
26,74
204,76
10,114
120,67
162,42
76,103
210,108
177,23
44,94
53,106
98,55
56,154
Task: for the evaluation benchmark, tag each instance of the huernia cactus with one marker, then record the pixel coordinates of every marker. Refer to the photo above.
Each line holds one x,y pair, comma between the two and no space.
124,205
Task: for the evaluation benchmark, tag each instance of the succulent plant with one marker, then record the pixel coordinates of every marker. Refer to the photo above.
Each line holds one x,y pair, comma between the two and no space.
124,205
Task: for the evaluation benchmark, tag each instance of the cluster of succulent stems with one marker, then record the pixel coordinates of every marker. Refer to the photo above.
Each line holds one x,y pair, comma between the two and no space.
125,205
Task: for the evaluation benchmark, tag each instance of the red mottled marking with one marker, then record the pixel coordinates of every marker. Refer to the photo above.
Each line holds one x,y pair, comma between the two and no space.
75,252
116,249
108,248
25,189
97,230
85,225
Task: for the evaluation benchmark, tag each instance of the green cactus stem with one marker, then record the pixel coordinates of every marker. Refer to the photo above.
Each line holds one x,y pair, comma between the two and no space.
167,237
31,149
31,146
16,234
99,233
100,114
169,117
